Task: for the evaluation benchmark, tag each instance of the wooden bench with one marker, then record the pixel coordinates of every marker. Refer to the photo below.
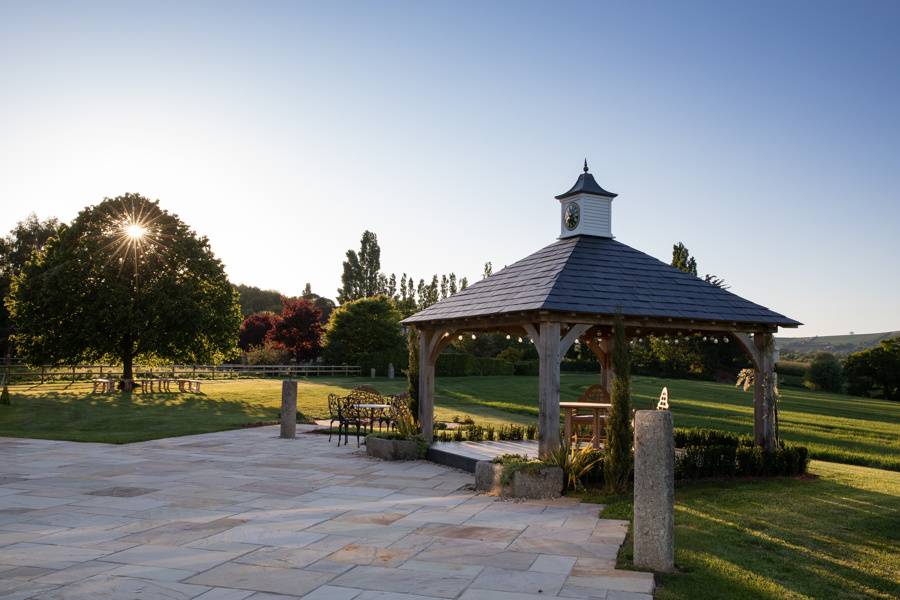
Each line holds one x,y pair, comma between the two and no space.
103,385
189,385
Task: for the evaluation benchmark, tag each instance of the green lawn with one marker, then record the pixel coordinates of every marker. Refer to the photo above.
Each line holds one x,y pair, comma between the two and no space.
833,534
834,427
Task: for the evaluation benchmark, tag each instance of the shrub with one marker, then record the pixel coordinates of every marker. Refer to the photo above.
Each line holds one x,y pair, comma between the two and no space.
511,354
454,365
526,367
464,365
269,353
791,367
713,453
579,366
697,436
491,366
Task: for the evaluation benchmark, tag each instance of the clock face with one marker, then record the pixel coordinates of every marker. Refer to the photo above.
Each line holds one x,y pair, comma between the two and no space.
571,215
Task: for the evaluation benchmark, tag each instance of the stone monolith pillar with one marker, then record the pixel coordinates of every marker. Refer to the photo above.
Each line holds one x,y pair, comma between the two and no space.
654,491
288,409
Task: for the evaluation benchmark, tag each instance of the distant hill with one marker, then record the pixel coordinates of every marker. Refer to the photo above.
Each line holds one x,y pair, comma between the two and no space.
836,344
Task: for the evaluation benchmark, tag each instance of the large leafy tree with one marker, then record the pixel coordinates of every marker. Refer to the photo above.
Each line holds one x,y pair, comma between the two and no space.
256,328
299,330
360,277
365,332
682,259
255,300
825,373
325,305
875,370
27,237
124,279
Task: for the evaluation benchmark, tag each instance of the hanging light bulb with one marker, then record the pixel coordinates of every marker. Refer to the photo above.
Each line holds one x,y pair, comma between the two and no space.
725,339
473,336
715,341
640,340
704,338
508,336
520,340
446,333
460,337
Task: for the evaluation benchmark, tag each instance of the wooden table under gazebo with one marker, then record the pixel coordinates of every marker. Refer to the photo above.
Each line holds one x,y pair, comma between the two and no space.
574,288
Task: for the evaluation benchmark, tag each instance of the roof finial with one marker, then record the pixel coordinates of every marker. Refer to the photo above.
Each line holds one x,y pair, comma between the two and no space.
585,166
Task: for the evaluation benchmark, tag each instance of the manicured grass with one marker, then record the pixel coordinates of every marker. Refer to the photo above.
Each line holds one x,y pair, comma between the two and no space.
834,427
833,534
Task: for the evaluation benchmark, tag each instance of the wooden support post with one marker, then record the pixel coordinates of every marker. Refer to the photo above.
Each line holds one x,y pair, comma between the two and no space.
548,415
426,383
761,350
765,428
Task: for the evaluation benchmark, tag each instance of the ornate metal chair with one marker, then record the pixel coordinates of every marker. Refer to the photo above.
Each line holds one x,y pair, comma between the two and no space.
335,415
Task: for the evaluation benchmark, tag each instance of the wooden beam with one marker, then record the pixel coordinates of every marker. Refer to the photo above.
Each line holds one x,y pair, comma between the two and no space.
440,342
507,320
532,332
548,408
575,332
746,342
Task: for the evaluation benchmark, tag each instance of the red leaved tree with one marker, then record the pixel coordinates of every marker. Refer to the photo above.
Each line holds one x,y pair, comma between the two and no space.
300,330
256,328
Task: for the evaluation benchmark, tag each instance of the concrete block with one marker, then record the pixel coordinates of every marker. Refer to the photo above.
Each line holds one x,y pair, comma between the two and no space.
546,482
386,449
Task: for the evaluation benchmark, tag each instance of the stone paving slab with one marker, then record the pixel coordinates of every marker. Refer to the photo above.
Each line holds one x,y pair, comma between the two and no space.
244,515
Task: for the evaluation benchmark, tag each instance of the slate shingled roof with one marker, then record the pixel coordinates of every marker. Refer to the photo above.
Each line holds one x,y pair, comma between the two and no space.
586,184
596,275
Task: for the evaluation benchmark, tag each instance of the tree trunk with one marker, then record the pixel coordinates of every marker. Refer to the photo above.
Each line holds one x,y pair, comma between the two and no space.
127,368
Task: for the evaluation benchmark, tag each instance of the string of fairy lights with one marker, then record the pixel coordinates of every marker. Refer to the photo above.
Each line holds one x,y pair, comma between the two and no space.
675,338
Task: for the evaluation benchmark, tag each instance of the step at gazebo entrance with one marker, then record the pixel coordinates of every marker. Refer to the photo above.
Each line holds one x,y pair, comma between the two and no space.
574,288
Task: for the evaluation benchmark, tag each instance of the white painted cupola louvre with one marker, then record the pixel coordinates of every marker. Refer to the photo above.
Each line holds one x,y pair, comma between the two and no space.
586,209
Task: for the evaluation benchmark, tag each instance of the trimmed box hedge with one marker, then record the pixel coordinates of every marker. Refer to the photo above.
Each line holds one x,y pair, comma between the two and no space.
715,453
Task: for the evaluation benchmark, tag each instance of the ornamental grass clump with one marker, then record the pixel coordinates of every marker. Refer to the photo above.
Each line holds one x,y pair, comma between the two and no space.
576,463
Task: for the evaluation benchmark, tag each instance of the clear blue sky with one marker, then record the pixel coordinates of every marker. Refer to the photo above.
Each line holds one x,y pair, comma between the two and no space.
765,136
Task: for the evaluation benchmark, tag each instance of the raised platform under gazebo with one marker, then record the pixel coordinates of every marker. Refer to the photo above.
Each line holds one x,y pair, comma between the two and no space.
574,288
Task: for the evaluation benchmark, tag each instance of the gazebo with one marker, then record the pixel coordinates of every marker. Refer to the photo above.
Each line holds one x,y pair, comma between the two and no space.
574,289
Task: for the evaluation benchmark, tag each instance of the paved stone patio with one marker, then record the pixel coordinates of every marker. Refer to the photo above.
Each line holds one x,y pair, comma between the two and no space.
243,514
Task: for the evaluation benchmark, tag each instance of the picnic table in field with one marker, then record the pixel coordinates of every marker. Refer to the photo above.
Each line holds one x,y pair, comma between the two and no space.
148,384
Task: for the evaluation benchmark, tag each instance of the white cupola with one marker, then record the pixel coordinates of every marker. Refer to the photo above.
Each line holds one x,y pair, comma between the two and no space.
586,209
